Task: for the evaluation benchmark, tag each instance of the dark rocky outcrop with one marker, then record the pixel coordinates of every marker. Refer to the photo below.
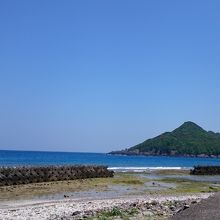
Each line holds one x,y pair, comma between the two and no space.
205,170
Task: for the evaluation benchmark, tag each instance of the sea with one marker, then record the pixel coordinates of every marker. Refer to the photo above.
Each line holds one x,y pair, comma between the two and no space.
114,162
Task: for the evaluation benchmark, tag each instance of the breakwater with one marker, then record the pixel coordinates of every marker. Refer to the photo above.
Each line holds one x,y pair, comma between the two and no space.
24,175
205,170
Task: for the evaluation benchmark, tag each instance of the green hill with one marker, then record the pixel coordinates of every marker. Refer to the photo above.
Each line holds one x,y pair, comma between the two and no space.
189,139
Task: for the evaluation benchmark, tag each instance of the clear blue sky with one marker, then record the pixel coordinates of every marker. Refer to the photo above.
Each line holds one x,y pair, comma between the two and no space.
104,75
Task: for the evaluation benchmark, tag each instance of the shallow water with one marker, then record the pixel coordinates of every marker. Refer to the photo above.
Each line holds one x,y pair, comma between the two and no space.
112,191
154,185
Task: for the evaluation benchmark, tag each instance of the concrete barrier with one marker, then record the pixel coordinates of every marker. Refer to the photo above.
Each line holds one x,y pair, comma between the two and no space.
205,170
24,175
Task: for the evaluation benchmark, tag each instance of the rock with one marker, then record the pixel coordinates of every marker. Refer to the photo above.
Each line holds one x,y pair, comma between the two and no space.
194,202
185,207
154,202
134,204
172,208
76,213
147,213
179,210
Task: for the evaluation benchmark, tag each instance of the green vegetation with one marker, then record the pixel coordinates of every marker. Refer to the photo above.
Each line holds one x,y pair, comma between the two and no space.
127,180
190,186
189,139
116,212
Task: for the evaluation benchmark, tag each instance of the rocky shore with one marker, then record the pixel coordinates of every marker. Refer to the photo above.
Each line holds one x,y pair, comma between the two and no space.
132,207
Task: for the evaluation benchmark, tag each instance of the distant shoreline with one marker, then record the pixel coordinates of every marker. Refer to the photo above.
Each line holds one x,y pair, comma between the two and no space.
123,153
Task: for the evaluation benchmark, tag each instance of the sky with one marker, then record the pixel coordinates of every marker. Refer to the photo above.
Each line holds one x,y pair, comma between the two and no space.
96,76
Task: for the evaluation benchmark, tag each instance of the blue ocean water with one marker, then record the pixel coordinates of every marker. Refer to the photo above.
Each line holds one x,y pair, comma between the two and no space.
19,158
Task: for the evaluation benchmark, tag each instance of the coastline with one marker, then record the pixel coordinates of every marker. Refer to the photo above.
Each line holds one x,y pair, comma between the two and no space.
145,154
155,192
85,208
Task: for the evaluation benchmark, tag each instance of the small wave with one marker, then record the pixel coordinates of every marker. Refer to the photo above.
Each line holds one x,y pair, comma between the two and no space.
142,169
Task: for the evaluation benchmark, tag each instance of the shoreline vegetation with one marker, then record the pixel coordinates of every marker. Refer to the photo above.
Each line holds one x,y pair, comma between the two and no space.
188,140
137,153
155,194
